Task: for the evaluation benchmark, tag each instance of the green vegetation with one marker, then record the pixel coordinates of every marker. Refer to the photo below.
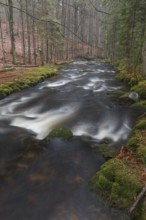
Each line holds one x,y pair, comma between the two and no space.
140,212
30,78
140,89
116,183
125,35
64,133
137,142
140,125
140,106
129,78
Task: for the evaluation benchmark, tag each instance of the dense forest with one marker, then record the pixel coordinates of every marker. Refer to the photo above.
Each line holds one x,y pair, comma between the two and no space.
125,27
45,31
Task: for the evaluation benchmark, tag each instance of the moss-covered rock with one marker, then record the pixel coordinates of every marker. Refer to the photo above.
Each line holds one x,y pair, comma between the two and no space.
115,93
86,70
107,151
140,89
117,184
64,133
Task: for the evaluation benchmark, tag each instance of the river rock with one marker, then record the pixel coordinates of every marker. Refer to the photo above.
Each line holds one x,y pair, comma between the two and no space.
107,151
129,98
64,133
106,141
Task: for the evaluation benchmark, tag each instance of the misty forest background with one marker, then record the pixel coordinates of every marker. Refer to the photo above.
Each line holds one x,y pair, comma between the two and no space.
46,31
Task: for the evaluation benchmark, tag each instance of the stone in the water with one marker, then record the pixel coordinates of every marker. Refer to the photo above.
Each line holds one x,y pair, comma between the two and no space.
107,151
64,133
129,98
106,141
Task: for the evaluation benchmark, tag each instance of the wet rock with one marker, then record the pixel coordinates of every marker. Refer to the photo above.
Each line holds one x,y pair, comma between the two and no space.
107,151
129,98
75,84
64,133
106,141
94,146
31,143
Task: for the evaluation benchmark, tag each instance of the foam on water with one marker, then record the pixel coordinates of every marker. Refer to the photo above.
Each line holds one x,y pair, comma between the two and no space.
42,124
106,129
80,62
56,83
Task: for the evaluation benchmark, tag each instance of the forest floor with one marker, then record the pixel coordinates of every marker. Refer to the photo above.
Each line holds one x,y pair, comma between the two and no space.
20,78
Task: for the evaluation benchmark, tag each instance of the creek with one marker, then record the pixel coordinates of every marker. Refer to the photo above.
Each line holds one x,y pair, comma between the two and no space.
51,181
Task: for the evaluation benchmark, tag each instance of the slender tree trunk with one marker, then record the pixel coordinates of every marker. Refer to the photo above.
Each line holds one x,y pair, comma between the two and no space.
2,39
11,26
28,33
23,30
33,34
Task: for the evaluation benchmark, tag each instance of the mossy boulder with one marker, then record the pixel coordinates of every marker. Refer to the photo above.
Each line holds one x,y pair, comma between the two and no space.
107,151
64,133
117,184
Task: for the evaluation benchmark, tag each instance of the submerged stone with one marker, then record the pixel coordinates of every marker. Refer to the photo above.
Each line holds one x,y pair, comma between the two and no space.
64,133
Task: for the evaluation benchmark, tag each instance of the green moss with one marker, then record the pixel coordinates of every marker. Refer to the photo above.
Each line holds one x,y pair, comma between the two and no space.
141,151
116,184
86,70
141,125
129,78
116,93
140,211
60,132
31,78
133,142
141,106
140,89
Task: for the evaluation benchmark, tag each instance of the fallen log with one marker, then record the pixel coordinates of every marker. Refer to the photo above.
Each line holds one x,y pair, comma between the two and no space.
139,197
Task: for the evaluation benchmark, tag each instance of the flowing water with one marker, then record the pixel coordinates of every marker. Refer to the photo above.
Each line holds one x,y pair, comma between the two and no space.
51,181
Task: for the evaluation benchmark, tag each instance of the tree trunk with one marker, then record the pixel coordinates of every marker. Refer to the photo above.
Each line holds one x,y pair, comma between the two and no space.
23,37
11,27
28,33
2,39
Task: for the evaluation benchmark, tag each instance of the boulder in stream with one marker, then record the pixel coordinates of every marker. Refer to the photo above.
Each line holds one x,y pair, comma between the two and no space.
64,133
129,98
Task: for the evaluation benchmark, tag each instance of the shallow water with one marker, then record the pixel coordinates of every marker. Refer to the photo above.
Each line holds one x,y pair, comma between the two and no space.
51,181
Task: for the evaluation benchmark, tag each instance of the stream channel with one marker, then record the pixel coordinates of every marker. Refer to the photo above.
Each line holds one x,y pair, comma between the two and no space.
50,181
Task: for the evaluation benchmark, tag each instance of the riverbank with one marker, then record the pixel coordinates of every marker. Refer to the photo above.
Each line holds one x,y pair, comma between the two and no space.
121,179
22,78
